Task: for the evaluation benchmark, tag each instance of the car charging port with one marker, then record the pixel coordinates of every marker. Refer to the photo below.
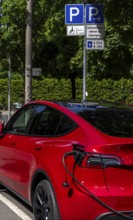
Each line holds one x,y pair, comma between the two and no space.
79,153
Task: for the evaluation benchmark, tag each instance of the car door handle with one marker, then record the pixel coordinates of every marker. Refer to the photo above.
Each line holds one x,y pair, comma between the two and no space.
38,148
13,143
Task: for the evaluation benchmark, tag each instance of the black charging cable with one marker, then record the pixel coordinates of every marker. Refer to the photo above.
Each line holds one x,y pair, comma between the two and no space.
74,153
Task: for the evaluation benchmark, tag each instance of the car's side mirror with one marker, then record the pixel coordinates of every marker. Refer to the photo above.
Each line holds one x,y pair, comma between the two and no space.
1,130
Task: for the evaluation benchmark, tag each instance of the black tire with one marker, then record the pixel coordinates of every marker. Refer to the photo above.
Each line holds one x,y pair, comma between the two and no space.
44,202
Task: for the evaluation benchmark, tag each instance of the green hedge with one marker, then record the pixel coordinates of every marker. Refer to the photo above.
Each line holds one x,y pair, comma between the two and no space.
54,89
110,90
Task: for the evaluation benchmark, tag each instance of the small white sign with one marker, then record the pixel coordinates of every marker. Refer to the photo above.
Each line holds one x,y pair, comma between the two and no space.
76,30
36,71
95,31
95,44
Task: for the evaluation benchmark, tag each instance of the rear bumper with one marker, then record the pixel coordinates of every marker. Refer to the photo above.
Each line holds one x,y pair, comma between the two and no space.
83,207
110,216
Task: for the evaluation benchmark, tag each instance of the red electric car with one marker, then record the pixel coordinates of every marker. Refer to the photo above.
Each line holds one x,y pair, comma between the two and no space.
70,161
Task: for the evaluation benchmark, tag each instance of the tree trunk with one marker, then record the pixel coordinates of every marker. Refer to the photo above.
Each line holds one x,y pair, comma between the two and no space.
72,78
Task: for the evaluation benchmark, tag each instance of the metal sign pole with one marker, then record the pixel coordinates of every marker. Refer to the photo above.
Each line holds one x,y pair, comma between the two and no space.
86,20
9,88
84,69
84,58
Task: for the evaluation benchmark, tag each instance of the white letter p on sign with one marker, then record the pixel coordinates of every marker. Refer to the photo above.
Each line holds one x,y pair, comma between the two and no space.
73,12
93,12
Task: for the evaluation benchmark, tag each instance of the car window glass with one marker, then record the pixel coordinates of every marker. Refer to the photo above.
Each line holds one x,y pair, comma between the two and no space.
50,122
46,121
115,122
66,125
20,121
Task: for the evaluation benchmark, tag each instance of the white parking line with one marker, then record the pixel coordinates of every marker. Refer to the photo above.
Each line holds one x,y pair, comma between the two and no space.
14,208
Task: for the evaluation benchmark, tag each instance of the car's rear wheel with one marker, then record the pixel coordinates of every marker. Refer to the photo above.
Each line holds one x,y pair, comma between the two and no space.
44,202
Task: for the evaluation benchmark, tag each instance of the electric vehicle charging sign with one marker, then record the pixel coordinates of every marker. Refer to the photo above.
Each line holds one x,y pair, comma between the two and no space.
94,14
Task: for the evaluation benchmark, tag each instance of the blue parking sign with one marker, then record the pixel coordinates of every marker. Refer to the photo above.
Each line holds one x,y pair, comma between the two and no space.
94,14
74,14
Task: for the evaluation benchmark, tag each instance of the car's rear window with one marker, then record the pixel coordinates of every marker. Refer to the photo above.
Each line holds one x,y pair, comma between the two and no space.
112,121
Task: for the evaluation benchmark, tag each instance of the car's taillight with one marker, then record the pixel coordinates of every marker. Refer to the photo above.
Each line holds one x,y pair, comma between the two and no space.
101,161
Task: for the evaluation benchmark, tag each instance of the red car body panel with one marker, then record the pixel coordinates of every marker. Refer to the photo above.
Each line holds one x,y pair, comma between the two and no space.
21,156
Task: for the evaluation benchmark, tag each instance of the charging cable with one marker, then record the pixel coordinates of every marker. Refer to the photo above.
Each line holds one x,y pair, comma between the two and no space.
74,153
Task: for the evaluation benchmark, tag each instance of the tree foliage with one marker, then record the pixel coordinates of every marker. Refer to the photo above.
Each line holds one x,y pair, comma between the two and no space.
62,56
12,32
